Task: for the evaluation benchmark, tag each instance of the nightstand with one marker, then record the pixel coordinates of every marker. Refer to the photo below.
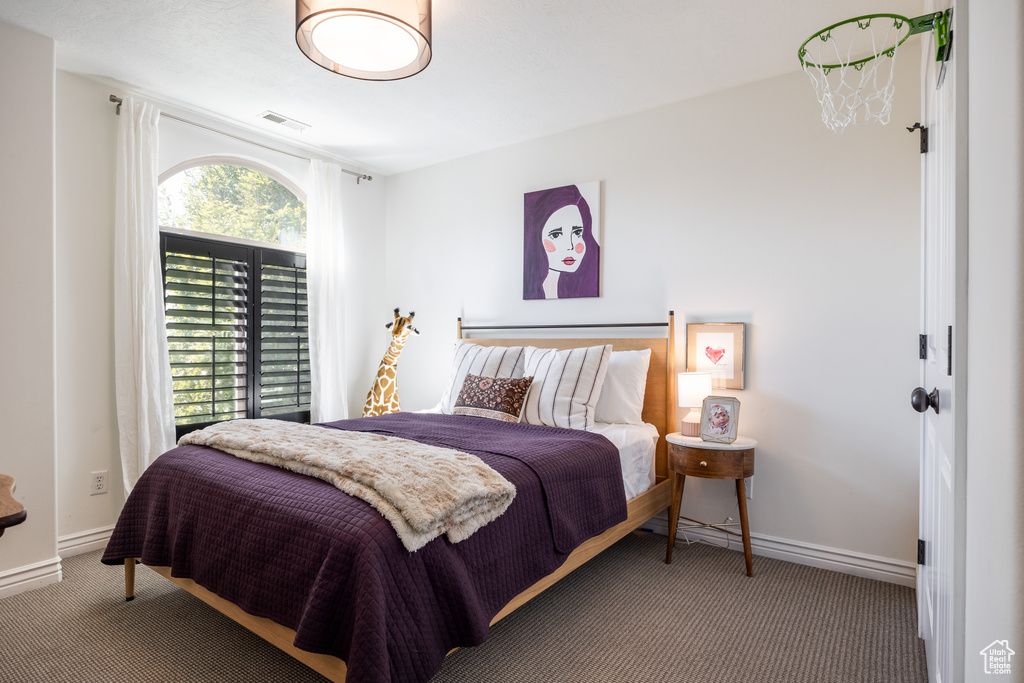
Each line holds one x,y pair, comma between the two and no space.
691,456
11,511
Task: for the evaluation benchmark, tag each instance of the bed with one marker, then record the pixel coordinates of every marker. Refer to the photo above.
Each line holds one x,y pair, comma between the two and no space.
355,612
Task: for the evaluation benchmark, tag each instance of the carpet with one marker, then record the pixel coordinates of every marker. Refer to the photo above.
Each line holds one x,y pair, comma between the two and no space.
625,616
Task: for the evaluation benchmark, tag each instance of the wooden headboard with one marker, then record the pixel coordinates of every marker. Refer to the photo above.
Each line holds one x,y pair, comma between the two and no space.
659,398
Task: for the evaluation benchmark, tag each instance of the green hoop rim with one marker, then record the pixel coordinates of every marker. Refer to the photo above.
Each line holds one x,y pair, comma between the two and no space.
911,24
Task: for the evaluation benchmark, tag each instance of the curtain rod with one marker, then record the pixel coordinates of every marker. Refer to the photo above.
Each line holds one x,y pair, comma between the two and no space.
359,176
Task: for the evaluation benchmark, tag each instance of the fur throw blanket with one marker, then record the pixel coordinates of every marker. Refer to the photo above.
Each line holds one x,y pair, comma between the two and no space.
424,491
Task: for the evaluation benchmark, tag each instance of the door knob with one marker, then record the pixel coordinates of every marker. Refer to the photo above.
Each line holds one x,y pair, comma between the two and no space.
922,401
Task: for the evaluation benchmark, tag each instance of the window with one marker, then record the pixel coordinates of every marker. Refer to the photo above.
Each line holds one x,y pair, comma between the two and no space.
233,201
237,325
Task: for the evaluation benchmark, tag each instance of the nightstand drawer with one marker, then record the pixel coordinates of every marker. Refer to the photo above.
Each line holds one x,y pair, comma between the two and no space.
712,464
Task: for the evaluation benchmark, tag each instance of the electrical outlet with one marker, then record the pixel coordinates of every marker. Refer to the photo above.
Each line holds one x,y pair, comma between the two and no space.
98,483
748,484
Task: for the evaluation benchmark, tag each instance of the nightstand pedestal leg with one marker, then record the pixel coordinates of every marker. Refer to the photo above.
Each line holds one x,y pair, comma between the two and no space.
673,513
741,497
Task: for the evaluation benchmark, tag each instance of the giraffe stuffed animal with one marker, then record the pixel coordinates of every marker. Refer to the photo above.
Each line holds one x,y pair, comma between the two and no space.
383,396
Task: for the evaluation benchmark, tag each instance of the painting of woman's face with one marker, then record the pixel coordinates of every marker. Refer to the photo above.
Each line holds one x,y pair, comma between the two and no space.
563,240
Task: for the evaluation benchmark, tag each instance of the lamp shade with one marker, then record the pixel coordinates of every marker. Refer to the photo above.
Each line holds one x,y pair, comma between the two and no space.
374,40
693,388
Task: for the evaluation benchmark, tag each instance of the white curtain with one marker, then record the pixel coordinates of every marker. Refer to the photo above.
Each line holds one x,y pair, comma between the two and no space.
325,279
145,410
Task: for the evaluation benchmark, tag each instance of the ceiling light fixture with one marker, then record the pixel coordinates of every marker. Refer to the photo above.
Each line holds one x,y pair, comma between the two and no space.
374,40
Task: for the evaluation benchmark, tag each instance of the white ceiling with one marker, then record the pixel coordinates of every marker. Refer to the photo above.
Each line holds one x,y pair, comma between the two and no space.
502,70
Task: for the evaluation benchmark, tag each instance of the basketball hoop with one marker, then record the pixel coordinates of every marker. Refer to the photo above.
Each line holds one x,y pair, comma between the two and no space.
852,64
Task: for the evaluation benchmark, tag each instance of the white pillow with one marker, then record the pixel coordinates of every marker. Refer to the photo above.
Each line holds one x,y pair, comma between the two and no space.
622,398
485,361
566,385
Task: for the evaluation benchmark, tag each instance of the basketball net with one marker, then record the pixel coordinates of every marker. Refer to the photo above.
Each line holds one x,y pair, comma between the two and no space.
852,65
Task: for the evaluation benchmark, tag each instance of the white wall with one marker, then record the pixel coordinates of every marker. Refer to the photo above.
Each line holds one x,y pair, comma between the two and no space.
738,206
28,552
994,579
87,431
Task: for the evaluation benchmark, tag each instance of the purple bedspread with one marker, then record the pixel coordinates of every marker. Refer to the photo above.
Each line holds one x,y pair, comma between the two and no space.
306,555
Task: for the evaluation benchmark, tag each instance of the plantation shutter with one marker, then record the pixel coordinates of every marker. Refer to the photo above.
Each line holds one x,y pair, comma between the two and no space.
284,373
206,294
237,332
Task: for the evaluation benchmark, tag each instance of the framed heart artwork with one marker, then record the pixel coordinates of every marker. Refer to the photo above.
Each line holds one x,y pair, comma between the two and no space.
716,348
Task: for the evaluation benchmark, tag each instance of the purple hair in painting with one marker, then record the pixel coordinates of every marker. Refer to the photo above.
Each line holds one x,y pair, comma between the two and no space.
547,247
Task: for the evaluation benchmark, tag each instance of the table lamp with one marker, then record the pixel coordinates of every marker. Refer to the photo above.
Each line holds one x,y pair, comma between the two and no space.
693,388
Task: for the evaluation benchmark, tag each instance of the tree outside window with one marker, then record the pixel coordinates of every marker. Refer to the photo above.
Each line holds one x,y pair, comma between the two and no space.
233,201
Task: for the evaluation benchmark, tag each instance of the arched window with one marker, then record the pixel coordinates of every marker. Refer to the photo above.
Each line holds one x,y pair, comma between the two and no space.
221,196
234,292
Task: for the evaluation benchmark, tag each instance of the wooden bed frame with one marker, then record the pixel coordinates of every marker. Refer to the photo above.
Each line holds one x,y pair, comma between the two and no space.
659,410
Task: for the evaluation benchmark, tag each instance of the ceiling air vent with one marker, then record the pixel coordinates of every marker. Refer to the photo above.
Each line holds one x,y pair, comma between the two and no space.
274,117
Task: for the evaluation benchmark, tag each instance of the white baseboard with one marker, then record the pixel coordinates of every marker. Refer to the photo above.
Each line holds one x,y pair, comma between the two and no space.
84,541
824,557
21,579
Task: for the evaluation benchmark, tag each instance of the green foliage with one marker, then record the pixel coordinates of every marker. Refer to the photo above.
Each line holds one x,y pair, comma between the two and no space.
237,202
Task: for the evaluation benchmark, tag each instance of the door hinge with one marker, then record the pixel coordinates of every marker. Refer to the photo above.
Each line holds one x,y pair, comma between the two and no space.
922,346
920,551
949,351
924,135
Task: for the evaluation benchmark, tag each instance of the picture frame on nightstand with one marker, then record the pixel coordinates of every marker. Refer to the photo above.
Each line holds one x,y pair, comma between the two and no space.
719,419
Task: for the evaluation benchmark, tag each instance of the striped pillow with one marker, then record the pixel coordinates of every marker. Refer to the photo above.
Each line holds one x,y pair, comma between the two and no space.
485,361
566,385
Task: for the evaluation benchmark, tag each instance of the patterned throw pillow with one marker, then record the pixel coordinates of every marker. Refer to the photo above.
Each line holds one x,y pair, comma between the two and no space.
495,398
486,361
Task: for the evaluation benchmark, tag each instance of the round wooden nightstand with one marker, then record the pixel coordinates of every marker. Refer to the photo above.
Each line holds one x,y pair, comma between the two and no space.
691,456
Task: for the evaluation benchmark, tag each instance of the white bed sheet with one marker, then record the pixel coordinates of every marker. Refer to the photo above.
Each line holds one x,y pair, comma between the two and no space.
636,444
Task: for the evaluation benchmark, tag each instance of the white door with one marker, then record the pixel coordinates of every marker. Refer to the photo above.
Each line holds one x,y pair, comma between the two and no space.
942,291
